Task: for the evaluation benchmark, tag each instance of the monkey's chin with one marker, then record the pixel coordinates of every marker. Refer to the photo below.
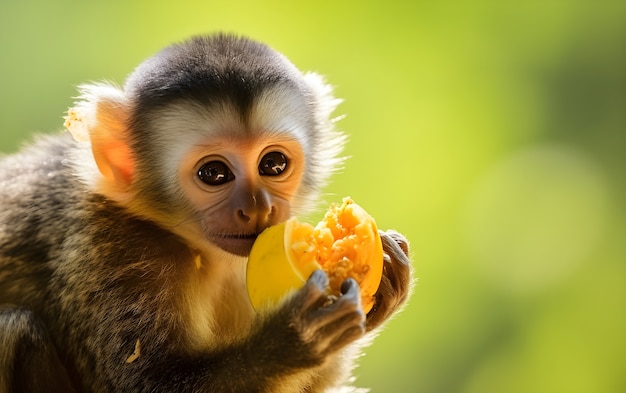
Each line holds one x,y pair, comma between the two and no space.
237,245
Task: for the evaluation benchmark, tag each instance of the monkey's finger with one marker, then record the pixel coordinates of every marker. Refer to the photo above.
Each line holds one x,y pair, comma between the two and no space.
341,327
397,266
395,284
348,286
387,300
318,279
349,302
398,238
314,291
346,336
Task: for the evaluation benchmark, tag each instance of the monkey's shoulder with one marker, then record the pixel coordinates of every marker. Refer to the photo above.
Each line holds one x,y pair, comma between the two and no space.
37,183
43,196
37,163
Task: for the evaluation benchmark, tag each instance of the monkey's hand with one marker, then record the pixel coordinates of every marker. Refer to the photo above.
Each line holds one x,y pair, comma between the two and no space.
323,324
395,284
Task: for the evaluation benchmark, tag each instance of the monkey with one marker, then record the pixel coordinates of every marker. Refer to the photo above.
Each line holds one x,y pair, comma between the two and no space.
124,242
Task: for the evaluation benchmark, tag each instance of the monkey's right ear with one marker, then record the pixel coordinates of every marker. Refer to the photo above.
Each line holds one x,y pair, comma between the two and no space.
101,117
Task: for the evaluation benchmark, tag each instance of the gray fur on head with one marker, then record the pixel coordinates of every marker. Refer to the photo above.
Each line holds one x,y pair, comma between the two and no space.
229,77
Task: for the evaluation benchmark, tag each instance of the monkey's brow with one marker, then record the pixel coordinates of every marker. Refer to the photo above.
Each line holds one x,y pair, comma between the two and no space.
260,138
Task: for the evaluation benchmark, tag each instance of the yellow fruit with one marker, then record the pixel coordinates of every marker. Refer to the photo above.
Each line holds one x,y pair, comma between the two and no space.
344,244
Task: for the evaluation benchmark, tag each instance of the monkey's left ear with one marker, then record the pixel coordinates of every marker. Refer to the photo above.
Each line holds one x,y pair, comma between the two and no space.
102,118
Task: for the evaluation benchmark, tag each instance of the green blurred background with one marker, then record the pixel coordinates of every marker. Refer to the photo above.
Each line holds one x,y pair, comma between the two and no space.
493,134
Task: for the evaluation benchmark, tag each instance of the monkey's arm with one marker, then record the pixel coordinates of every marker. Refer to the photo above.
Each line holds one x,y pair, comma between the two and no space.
307,331
395,285
28,360
302,335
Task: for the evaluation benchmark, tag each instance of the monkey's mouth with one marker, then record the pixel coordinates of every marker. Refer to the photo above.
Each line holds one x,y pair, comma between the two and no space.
238,244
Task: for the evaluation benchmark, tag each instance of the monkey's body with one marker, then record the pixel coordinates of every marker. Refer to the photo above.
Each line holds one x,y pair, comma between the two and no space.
97,308
103,291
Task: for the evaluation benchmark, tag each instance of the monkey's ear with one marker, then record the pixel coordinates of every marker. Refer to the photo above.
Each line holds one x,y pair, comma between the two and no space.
102,118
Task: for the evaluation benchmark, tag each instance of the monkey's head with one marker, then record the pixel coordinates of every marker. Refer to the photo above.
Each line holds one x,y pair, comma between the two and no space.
215,138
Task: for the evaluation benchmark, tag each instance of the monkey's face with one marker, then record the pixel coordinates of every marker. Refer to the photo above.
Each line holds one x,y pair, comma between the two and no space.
240,186
238,175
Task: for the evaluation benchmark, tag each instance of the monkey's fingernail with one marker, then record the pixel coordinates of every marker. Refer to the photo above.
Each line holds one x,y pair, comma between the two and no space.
320,278
347,285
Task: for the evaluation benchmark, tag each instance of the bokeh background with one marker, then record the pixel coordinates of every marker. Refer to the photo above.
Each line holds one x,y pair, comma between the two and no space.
491,133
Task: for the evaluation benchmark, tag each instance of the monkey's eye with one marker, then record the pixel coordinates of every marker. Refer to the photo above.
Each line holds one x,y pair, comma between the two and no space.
273,164
215,173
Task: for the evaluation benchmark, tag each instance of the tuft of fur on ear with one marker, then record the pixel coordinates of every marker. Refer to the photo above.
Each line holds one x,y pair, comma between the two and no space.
100,117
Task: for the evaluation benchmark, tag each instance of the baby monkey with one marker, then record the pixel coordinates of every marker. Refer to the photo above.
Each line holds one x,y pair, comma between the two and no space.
123,248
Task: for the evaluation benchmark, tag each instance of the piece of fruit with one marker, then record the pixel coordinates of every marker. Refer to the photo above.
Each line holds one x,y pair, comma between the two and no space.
344,244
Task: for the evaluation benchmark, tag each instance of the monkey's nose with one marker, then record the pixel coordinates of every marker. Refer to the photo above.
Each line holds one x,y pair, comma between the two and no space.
255,209
257,214
246,216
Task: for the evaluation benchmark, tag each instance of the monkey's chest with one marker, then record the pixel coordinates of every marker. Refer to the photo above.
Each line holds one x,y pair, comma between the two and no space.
220,310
